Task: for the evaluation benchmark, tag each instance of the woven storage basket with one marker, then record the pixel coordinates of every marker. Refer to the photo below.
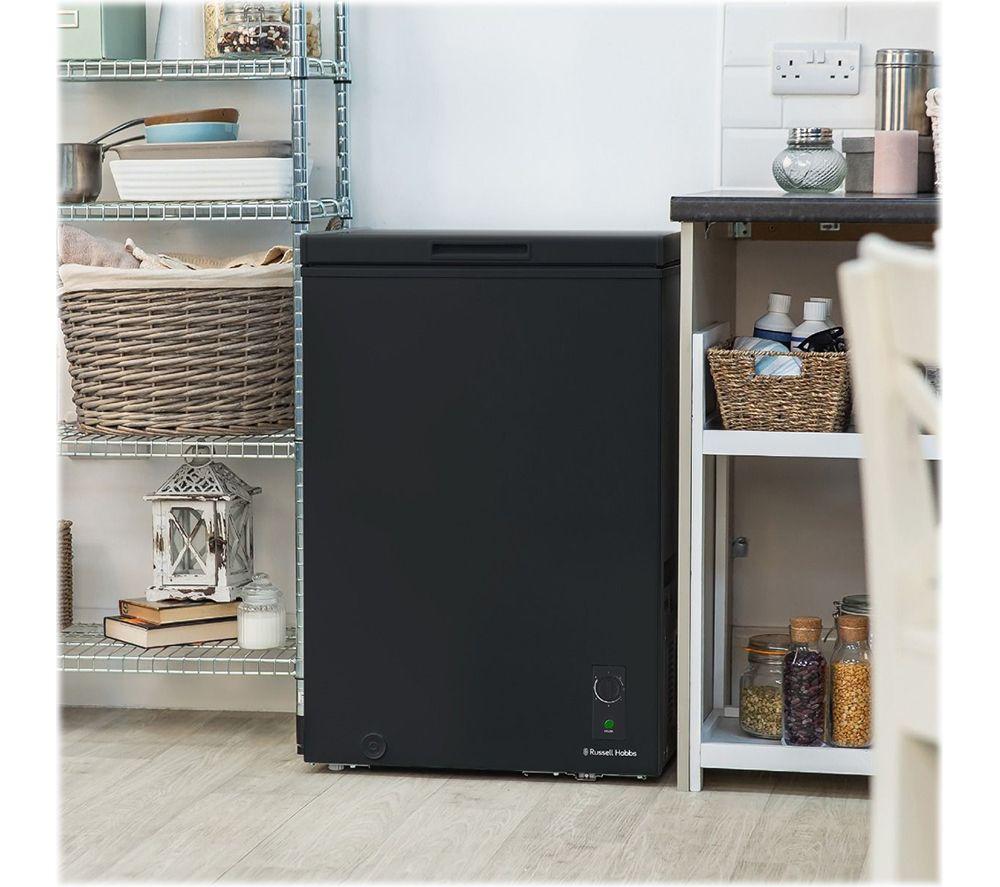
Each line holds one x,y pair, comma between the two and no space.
818,400
64,571
179,361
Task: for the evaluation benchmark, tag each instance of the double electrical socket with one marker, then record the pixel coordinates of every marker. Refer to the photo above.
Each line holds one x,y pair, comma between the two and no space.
815,68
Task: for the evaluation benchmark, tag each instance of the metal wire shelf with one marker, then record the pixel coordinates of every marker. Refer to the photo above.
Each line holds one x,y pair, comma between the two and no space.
83,648
207,211
73,442
200,69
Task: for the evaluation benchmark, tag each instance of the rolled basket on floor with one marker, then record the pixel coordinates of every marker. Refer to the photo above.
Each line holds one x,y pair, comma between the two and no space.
817,400
64,571
165,352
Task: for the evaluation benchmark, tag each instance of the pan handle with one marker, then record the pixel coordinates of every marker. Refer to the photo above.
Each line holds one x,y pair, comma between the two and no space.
118,128
106,148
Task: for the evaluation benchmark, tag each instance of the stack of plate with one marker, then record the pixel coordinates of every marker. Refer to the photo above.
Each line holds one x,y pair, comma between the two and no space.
230,170
212,124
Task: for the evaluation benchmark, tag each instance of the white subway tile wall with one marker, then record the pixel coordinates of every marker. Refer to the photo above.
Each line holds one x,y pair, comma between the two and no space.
747,99
755,122
747,156
751,28
856,111
884,25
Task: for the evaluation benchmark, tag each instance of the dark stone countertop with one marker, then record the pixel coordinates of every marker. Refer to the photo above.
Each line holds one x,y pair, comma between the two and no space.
778,206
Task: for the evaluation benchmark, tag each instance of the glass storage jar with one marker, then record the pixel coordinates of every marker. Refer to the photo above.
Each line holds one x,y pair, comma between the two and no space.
851,684
760,685
260,615
804,684
313,39
252,30
852,605
810,162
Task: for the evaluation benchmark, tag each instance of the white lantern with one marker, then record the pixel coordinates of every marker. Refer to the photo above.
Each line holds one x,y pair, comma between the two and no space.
202,534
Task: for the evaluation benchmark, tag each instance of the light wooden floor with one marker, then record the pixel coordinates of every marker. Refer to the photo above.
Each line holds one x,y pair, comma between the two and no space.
169,795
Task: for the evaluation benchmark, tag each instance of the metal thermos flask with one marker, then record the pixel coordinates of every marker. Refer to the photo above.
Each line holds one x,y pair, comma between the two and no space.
902,78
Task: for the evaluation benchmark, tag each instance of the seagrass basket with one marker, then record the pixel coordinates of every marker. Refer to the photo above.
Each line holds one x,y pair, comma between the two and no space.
64,573
198,361
817,400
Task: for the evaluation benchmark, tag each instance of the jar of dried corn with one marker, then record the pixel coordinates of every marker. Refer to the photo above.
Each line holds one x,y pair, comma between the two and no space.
851,684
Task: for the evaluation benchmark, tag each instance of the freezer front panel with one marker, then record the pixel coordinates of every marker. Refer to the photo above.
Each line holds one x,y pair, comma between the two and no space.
484,568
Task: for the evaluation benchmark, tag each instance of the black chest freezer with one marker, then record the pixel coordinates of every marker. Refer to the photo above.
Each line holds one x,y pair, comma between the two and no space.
490,494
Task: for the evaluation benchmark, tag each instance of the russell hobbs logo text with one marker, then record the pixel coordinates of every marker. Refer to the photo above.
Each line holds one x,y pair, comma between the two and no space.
610,752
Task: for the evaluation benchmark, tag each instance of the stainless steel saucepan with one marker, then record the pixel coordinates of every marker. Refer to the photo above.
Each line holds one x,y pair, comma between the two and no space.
80,165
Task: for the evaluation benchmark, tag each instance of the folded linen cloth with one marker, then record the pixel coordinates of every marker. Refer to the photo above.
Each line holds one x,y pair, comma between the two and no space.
78,247
77,278
275,255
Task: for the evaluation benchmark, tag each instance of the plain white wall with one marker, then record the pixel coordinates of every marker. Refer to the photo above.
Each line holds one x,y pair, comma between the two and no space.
529,116
490,116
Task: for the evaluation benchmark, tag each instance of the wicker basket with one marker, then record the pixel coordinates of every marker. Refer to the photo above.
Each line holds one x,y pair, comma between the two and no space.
161,361
64,571
817,400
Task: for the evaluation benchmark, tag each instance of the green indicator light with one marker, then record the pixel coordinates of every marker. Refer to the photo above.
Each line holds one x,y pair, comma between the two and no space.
609,724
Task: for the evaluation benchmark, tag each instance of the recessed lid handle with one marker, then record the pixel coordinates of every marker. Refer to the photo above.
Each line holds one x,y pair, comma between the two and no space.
470,251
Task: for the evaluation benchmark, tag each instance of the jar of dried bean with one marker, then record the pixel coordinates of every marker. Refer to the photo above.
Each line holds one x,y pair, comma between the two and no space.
804,684
760,685
851,684
252,30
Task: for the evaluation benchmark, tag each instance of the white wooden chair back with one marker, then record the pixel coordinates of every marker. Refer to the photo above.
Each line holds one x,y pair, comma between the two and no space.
890,300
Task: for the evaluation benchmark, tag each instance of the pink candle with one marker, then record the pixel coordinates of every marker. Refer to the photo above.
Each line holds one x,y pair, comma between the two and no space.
895,161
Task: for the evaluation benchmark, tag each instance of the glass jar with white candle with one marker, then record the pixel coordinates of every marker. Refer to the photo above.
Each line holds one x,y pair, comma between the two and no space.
260,615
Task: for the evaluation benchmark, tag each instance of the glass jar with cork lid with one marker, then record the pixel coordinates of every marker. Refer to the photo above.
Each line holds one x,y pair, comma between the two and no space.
760,685
851,684
804,684
854,605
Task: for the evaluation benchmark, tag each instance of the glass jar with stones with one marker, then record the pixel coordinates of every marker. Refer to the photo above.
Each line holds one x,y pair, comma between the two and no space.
251,30
760,685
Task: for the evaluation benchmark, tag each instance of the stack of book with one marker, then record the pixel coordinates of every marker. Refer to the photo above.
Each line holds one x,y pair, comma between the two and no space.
167,623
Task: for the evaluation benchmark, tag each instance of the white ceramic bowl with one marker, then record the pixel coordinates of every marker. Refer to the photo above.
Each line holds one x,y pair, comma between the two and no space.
237,178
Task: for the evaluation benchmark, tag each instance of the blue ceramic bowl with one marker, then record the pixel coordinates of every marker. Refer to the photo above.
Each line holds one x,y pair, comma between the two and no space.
192,131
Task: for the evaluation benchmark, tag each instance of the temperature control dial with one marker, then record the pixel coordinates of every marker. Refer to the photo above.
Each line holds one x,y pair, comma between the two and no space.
608,704
608,688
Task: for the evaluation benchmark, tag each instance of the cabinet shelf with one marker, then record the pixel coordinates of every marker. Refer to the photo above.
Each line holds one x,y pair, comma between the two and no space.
73,442
83,648
201,211
796,444
725,746
200,69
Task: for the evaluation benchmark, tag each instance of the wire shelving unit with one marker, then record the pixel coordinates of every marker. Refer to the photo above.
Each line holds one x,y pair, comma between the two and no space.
83,648
201,69
204,211
298,69
73,442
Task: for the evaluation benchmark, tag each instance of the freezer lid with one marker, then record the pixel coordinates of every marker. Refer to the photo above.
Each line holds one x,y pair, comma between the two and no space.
572,248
